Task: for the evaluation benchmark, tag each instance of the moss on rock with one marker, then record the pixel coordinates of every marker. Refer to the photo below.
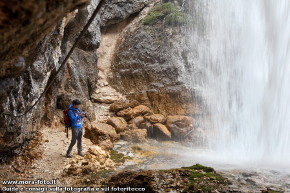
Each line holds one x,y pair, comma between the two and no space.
118,157
170,13
204,178
196,178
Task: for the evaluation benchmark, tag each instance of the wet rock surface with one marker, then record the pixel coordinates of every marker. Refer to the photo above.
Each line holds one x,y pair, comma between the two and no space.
160,131
179,126
164,155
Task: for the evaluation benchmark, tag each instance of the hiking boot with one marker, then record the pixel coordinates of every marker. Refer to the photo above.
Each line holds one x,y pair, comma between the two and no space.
81,154
68,155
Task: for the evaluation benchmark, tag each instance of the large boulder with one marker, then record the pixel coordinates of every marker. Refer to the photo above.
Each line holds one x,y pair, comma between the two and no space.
100,154
121,105
137,121
126,113
131,126
106,144
135,135
160,131
105,94
135,112
145,125
99,132
156,118
119,123
179,126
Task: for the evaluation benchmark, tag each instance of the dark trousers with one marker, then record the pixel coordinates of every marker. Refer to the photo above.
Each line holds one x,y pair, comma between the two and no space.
77,134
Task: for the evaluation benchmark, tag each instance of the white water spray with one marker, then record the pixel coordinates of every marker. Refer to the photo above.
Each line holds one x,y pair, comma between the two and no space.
243,56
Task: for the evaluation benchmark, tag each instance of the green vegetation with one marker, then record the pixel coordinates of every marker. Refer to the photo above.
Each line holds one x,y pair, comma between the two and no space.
102,174
205,178
118,157
201,167
170,13
273,191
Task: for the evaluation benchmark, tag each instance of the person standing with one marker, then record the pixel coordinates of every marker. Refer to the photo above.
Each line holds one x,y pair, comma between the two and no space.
76,117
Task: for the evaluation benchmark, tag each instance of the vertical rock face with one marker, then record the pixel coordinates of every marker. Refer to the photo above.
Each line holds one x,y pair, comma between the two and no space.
19,21
151,64
116,11
79,78
31,33
35,37
18,93
92,37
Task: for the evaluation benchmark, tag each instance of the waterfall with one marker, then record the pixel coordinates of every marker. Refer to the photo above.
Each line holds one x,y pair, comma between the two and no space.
242,62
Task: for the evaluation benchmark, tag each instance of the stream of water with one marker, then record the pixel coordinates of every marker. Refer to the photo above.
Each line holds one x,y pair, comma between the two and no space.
156,155
242,57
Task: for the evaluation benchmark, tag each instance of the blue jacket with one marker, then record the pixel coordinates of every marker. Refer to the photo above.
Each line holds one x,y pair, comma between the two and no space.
75,117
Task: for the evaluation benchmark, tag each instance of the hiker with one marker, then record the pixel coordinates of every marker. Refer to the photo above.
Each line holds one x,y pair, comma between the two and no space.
76,118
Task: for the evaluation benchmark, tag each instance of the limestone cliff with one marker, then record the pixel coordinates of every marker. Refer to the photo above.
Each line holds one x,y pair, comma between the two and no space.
31,33
35,36
151,62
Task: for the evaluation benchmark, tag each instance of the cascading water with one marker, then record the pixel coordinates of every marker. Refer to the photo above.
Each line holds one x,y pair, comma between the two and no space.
243,59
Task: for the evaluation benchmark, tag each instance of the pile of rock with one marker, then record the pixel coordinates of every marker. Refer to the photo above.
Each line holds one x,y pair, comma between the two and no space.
135,122
96,159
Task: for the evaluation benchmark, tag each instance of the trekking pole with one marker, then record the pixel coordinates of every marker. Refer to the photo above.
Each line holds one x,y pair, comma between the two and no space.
66,130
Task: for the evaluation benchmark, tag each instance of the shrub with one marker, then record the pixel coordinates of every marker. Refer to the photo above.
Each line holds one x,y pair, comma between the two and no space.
172,14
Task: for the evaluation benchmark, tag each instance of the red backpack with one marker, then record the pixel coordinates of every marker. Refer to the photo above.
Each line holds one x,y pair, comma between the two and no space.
66,120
